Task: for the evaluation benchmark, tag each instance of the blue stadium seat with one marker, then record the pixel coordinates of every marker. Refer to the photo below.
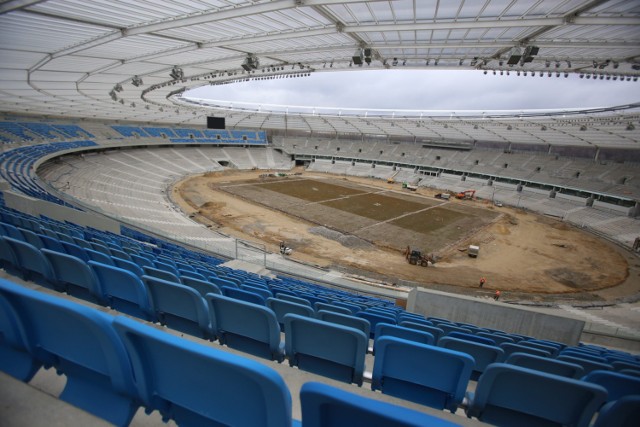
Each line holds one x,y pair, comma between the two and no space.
325,348
330,307
16,360
202,286
510,348
248,327
243,295
587,365
483,354
471,337
292,298
80,343
624,412
617,384
374,319
425,374
281,307
388,330
127,264
327,406
509,395
433,330
32,263
345,320
123,291
546,364
263,292
197,385
178,307
161,274
74,276
98,256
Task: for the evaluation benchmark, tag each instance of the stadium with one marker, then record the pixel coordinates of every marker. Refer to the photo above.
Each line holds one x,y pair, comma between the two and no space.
168,258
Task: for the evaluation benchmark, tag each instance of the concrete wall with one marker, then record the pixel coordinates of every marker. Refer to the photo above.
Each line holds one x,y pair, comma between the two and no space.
35,207
497,315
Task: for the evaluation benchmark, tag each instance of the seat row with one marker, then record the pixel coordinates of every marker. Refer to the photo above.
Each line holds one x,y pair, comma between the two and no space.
114,365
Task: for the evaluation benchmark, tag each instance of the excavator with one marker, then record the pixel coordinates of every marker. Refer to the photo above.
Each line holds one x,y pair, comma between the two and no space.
466,195
415,257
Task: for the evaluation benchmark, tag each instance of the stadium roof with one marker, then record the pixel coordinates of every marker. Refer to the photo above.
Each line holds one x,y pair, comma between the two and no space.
127,60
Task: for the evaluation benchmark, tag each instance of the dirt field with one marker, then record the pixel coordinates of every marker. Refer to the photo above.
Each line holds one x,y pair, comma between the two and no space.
361,226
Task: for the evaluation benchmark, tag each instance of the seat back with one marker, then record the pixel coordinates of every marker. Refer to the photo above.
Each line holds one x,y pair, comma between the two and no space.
202,286
283,307
425,374
74,276
433,330
263,292
345,320
327,406
374,319
178,307
245,326
545,364
330,307
81,344
31,262
471,337
512,395
123,291
617,384
624,412
161,274
510,348
483,354
243,295
210,387
292,298
587,365
387,330
325,348
127,264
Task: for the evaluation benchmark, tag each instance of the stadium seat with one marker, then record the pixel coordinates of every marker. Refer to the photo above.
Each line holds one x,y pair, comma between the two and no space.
510,348
425,374
617,384
283,307
123,291
293,298
482,354
325,348
31,262
374,319
178,307
263,292
80,343
433,330
161,274
74,276
546,364
243,295
248,327
553,350
345,320
330,307
388,330
202,286
509,395
587,365
624,412
471,337
16,360
126,264
327,406
197,385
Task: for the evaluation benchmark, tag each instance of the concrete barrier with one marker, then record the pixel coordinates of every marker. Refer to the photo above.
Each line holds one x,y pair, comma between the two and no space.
495,315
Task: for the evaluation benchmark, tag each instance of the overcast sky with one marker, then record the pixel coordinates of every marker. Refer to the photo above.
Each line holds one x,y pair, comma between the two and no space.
429,90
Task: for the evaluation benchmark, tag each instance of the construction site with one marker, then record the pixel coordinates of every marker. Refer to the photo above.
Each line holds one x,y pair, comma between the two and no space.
401,236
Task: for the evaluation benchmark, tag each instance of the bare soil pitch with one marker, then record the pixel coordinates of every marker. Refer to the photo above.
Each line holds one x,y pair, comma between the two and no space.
361,226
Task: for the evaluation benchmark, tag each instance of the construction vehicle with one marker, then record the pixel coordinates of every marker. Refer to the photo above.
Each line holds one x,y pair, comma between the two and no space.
415,257
443,196
410,187
473,251
391,181
466,195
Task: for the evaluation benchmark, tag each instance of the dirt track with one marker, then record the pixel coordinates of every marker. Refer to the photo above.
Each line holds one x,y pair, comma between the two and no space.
526,256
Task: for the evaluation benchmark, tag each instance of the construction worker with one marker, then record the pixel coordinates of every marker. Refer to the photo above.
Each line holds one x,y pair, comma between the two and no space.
497,295
482,281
